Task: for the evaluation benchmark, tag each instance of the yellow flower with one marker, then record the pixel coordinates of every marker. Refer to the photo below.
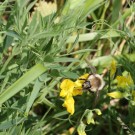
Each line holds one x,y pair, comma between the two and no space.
85,76
78,85
80,81
70,89
113,68
116,94
67,87
124,81
77,92
69,104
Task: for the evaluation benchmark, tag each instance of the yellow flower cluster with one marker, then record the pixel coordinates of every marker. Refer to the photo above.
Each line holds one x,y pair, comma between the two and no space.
90,115
122,82
70,89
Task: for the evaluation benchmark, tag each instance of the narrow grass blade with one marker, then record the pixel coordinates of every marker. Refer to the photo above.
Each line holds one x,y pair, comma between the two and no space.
92,36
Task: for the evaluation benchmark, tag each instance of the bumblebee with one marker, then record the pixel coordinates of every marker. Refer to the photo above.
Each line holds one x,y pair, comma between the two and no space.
93,83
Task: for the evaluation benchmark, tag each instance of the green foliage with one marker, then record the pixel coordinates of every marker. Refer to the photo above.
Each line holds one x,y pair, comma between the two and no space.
37,52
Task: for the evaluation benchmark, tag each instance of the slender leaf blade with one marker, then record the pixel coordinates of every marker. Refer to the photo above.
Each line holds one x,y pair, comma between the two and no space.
28,77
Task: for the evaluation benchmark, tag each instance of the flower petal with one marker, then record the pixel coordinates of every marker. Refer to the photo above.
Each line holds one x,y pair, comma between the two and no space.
77,92
85,76
78,84
130,80
121,81
124,81
63,93
69,104
67,87
116,94
80,81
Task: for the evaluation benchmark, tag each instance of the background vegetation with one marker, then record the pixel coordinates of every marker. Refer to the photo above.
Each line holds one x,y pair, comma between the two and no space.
38,50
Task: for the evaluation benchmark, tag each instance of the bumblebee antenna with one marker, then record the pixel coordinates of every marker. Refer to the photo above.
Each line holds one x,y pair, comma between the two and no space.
93,69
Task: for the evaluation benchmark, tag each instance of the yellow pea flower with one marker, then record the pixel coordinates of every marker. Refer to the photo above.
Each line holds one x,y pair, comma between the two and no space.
69,104
78,85
67,87
116,94
70,89
85,76
124,81
77,92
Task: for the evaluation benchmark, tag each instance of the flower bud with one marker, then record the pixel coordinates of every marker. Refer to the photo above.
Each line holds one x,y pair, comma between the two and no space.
81,129
89,118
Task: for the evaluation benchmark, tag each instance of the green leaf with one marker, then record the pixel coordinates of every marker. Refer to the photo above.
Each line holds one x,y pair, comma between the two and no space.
93,35
90,6
79,51
54,73
60,114
8,41
34,24
69,74
9,123
116,10
65,59
49,58
49,103
33,95
28,77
